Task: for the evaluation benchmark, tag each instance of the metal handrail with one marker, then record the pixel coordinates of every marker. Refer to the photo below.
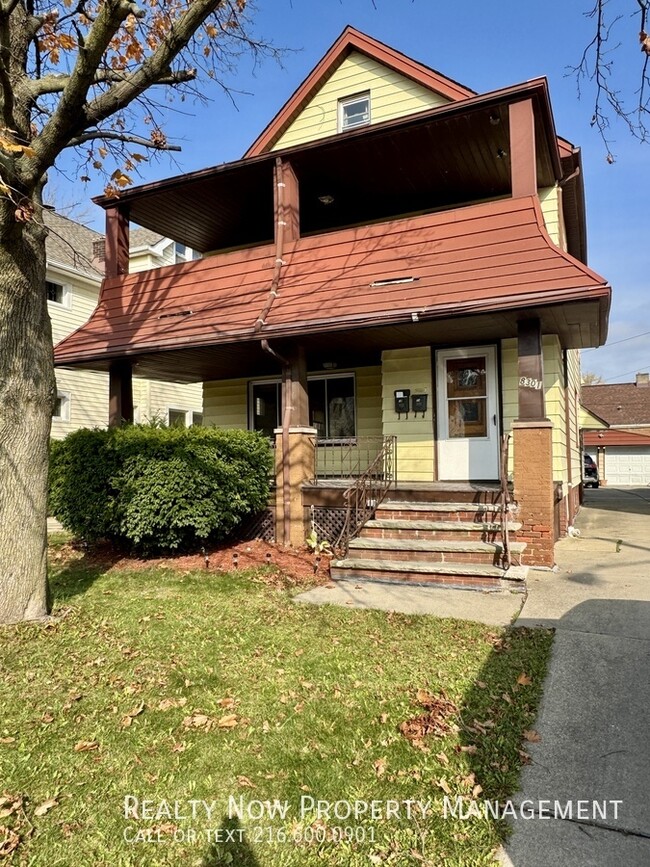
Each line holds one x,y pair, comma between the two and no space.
368,492
505,500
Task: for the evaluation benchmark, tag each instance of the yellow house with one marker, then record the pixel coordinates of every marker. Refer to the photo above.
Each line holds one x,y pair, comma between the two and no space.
394,287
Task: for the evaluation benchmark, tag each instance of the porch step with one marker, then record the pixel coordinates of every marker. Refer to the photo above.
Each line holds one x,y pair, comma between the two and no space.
477,493
430,551
393,528
467,512
443,506
459,575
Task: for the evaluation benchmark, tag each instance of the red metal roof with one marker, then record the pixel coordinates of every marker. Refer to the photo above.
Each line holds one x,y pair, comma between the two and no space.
486,257
616,438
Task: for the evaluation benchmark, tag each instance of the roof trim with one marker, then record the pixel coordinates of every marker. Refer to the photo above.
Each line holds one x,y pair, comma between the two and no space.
353,40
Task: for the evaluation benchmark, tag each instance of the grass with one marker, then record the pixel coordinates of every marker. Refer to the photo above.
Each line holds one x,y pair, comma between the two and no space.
183,687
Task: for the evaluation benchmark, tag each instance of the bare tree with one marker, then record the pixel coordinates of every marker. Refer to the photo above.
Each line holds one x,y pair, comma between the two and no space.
597,66
589,378
80,74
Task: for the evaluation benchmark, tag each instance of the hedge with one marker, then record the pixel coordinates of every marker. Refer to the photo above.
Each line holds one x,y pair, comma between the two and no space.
158,489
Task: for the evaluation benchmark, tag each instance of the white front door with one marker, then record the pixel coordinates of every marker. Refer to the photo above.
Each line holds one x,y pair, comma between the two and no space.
468,413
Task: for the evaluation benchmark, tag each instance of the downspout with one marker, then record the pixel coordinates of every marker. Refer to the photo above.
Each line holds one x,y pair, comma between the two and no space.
259,324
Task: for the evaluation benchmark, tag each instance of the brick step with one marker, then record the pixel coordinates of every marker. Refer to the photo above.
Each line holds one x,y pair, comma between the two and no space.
430,550
466,576
443,511
392,528
466,492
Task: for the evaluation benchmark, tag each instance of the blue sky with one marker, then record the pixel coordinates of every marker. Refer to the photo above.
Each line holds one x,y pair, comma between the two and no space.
485,46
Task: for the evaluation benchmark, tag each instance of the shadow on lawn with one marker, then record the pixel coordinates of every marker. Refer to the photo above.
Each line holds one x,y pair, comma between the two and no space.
232,850
77,575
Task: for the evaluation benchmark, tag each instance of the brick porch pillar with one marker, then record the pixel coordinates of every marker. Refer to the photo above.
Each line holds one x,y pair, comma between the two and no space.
533,478
301,457
533,451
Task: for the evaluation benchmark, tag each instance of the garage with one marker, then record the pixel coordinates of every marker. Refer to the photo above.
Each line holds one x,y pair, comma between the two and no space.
627,465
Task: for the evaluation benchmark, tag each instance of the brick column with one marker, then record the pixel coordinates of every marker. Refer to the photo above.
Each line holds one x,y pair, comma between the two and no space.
533,482
301,458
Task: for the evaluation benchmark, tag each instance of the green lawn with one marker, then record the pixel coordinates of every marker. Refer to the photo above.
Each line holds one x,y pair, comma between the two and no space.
167,686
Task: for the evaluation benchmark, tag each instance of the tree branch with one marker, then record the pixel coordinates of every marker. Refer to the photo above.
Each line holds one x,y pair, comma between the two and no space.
58,83
126,138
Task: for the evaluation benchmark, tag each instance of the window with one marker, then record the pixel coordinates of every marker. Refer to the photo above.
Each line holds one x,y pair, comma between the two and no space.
331,406
57,293
177,418
180,252
354,111
61,407
197,419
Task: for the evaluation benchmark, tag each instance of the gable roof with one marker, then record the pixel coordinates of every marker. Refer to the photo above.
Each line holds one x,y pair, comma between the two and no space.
619,404
144,238
354,40
488,257
70,244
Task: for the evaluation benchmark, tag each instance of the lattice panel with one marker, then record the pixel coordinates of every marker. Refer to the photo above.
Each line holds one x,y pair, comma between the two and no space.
328,523
260,526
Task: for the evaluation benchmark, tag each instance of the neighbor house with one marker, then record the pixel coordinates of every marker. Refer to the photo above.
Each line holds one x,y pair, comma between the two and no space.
75,270
394,286
621,445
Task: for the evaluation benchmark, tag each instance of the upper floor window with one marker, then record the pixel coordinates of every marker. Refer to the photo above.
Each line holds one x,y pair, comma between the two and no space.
57,293
354,111
61,407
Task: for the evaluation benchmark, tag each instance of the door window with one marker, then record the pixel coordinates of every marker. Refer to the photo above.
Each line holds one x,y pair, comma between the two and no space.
466,397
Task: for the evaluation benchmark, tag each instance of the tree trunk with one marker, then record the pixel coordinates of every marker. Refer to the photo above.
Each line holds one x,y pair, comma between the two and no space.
27,393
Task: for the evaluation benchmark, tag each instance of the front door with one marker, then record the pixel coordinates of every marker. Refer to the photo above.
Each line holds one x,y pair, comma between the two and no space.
468,413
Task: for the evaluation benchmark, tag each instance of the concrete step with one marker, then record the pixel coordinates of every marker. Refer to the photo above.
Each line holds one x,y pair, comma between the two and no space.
443,511
431,492
430,550
398,528
460,575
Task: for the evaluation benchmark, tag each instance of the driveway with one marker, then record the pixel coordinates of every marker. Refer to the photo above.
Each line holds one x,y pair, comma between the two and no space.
594,719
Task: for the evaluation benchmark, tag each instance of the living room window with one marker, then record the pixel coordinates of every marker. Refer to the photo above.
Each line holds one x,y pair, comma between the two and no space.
354,111
331,406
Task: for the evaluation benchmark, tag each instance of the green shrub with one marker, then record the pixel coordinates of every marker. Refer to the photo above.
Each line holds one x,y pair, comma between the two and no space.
158,488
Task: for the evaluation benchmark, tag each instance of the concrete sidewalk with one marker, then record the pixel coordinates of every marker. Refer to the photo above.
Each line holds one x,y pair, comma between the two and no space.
593,721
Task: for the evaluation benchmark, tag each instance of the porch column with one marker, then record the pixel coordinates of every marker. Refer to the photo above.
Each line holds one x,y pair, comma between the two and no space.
116,261
533,451
295,457
120,394
523,161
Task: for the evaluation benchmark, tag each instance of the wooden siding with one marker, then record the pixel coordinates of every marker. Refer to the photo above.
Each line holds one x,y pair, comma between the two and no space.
573,401
391,95
509,391
550,200
409,368
81,304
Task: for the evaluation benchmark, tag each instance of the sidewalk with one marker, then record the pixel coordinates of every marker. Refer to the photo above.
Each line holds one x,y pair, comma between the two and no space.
593,720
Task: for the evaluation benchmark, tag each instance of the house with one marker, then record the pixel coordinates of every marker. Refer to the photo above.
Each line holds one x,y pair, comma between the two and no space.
621,447
75,269
394,286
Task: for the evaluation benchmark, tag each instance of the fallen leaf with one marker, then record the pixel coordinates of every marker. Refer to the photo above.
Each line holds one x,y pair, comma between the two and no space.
168,703
524,680
227,702
10,804
442,758
46,806
383,718
196,721
476,791
228,722
245,782
85,746
47,718
532,736
506,697
178,748
380,767
481,684
471,749
9,840
7,740
444,785
130,715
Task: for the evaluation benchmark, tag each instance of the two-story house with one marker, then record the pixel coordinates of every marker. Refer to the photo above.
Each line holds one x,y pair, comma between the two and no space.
393,285
75,270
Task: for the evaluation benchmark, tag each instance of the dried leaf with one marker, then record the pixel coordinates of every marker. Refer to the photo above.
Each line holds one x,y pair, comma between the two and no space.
46,806
442,758
532,736
47,718
228,722
524,680
476,791
168,703
7,740
129,716
245,782
9,840
470,749
380,767
196,721
444,785
85,746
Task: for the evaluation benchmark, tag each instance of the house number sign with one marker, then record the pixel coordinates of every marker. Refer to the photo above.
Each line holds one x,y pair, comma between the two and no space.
527,382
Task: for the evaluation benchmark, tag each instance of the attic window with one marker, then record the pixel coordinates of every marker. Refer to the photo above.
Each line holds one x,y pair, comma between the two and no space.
354,111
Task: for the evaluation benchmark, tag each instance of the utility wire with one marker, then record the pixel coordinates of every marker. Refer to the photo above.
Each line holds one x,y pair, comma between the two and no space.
616,342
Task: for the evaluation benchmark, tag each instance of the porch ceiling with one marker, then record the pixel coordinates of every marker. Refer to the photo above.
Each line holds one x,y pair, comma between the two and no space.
575,323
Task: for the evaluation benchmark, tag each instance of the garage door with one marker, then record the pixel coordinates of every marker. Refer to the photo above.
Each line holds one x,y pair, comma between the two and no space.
627,465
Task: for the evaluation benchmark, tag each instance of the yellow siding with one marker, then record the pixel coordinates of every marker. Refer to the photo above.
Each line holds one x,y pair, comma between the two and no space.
555,405
409,368
573,386
225,403
141,262
550,199
391,95
82,300
163,396
88,400
509,390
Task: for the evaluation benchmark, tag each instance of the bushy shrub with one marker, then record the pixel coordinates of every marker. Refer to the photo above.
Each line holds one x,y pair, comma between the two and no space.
158,488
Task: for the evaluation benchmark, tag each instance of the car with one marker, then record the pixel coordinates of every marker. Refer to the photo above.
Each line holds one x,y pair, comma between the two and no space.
590,473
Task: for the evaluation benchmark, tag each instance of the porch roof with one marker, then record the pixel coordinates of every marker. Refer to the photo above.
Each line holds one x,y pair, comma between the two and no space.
362,289
387,284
